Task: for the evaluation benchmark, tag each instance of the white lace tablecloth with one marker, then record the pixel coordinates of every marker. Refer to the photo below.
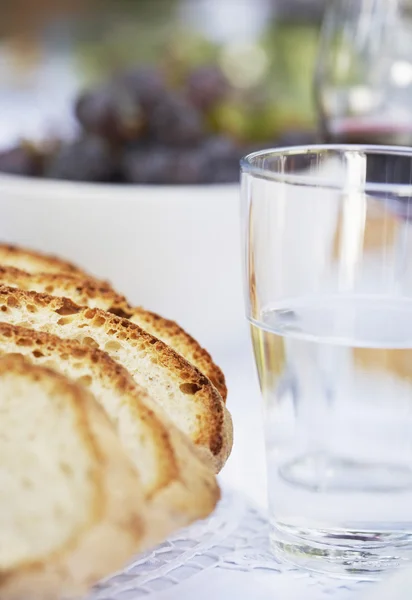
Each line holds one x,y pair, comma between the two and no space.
224,557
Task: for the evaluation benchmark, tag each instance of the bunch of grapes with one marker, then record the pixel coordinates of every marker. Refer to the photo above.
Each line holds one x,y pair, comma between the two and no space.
139,128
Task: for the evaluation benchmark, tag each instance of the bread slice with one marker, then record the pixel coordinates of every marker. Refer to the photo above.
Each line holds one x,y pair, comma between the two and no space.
174,478
28,260
71,506
189,399
172,334
87,291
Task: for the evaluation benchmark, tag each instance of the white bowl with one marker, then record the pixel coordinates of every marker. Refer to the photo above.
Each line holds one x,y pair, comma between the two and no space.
173,249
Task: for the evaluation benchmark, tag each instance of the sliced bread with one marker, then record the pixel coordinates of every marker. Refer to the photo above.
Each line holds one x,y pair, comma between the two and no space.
187,396
87,291
174,478
71,505
26,259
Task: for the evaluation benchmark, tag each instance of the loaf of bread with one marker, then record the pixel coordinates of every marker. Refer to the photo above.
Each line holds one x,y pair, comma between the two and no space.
188,398
114,426
30,270
72,508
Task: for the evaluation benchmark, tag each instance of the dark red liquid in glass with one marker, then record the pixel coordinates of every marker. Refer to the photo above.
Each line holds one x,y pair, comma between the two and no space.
357,131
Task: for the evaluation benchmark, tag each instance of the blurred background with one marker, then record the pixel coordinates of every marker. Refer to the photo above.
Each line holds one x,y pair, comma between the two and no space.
52,50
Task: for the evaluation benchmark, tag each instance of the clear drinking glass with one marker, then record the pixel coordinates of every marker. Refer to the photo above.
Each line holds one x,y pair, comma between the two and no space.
328,279
363,82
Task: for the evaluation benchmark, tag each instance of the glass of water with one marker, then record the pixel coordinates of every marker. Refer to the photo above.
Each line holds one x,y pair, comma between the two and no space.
328,272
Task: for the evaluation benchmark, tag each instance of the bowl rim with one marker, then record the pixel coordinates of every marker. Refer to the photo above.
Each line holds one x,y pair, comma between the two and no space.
22,184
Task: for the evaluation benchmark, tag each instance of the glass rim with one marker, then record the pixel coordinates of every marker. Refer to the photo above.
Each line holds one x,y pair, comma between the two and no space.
247,167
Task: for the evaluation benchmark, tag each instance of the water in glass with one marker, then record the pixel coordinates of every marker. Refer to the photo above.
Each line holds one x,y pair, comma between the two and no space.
336,378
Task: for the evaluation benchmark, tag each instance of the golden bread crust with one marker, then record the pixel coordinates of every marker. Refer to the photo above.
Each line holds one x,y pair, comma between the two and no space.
208,423
87,291
183,487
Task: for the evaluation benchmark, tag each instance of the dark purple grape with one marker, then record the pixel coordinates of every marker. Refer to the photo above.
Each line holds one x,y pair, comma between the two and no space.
214,161
149,165
226,174
175,122
87,159
146,85
95,111
206,87
222,148
21,160
110,112
223,156
191,167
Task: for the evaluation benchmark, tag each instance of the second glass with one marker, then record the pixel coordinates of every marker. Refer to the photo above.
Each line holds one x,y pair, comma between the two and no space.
363,83
328,271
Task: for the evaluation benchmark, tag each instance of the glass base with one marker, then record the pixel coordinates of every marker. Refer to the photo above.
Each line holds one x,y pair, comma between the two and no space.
342,553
